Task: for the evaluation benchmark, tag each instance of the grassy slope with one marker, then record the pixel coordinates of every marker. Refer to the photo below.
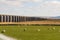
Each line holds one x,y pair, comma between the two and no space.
31,33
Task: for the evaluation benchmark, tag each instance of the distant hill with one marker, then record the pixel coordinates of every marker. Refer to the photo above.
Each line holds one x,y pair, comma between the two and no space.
57,17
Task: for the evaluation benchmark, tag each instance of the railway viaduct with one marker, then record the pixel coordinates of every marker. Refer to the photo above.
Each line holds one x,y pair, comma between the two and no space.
13,18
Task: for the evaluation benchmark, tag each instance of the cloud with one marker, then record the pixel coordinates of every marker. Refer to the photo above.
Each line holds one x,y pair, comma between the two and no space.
37,0
31,7
52,2
50,8
31,0
11,2
18,2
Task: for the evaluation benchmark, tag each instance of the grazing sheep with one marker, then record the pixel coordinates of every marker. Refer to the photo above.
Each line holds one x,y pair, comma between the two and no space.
49,28
53,28
25,29
3,31
38,30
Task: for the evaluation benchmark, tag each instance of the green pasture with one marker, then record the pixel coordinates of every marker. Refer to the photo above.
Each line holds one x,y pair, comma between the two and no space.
45,33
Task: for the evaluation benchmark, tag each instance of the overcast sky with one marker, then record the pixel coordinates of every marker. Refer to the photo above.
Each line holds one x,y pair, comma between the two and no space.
30,7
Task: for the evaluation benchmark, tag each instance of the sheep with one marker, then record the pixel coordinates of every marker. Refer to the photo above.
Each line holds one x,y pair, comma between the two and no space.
3,31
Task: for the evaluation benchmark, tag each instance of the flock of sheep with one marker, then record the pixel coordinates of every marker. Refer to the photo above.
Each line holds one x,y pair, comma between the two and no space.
25,29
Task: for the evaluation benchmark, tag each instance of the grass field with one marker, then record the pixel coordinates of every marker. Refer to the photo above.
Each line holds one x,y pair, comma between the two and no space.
31,33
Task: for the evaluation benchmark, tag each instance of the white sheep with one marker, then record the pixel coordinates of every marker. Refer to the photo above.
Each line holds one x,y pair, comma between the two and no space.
3,31
38,30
